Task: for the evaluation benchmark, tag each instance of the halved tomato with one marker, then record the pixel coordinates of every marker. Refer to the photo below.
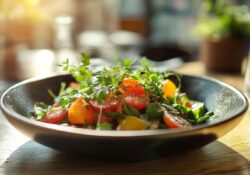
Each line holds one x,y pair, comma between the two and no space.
175,121
132,123
169,89
81,113
134,93
139,102
55,115
107,105
129,86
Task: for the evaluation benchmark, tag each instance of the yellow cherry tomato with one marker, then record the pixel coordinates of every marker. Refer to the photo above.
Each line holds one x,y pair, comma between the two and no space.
81,113
169,89
132,123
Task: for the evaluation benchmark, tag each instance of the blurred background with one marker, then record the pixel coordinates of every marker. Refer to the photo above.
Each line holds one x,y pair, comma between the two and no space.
36,35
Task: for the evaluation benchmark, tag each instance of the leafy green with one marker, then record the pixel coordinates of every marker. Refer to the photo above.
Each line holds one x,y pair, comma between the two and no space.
51,93
205,117
62,88
128,110
104,126
154,111
41,109
198,109
107,83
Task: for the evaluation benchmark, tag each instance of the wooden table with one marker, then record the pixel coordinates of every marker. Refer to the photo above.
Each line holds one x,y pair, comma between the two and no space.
229,155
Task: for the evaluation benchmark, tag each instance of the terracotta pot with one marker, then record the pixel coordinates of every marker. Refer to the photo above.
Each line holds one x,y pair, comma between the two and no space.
225,55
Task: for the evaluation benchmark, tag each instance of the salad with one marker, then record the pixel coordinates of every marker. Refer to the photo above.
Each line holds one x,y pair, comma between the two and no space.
120,98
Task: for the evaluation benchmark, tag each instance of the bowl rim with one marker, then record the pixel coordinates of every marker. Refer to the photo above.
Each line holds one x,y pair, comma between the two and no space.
100,133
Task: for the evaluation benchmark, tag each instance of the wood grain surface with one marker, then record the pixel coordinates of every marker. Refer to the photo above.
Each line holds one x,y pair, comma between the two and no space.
228,155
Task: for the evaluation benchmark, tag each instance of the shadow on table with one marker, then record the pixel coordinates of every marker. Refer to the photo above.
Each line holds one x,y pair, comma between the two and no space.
33,158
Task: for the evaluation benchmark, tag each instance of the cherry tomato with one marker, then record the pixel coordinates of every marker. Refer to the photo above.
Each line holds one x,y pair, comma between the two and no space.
169,89
175,121
187,104
135,90
106,105
81,113
132,123
55,115
129,86
139,102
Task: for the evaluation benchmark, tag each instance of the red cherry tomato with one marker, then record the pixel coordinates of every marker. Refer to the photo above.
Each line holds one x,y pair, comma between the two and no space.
81,113
175,121
55,115
134,93
107,105
139,102
135,90
187,104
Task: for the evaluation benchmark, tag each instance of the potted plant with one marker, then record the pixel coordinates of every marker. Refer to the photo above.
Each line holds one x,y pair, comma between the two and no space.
225,29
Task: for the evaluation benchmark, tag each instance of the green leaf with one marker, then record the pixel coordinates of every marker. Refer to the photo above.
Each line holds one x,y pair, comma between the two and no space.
171,109
62,88
100,94
154,111
51,93
104,126
66,65
198,109
127,62
85,58
205,117
128,110
133,111
115,115
144,62
40,109
65,101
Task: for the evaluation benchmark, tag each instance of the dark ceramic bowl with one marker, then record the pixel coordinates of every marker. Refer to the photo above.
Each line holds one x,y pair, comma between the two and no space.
228,103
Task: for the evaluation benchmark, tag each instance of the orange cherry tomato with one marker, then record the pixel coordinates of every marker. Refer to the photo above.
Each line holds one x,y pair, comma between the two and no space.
169,89
129,86
81,113
55,115
175,121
